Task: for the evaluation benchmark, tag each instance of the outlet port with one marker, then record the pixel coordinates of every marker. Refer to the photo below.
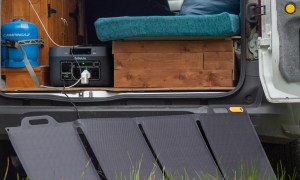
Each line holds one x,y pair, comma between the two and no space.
66,77
95,73
66,67
76,73
97,64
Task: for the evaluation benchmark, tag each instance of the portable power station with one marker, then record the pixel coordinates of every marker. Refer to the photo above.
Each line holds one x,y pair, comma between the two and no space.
67,64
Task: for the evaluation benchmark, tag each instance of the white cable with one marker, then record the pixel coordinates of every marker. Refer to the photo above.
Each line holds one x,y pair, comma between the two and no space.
42,24
74,84
37,15
62,87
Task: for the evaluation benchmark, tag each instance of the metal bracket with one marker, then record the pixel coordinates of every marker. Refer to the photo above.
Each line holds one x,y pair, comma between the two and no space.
51,10
254,11
265,42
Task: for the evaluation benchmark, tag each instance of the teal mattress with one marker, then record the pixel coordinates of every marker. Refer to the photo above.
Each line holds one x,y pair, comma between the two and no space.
116,28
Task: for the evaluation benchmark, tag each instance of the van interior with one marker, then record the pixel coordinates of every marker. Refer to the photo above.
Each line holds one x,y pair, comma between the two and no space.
132,62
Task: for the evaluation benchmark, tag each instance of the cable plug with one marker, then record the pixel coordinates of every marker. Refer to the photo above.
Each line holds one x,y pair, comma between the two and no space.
85,76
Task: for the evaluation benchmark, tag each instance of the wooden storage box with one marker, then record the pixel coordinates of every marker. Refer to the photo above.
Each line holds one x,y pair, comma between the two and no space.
20,78
173,64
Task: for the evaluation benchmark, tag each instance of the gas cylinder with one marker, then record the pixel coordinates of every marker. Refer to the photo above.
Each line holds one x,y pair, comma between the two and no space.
19,30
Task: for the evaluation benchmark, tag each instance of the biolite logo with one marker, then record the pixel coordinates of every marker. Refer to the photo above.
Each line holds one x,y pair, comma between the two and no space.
80,58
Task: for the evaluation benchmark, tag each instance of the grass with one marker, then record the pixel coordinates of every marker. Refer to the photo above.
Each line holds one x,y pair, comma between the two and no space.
85,169
83,173
281,173
246,174
7,168
135,171
242,174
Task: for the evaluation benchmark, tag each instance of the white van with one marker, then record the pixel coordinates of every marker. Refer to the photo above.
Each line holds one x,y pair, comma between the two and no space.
266,86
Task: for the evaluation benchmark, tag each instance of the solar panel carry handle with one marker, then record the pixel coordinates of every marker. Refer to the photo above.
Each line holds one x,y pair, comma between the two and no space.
27,121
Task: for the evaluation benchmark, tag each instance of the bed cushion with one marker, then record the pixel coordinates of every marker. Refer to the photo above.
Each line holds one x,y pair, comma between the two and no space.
116,28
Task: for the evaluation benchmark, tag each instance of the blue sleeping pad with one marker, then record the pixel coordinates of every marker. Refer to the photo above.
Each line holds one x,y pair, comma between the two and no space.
116,28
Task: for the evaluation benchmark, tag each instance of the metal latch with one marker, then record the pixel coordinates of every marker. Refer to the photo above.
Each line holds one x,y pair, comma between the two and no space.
265,42
254,11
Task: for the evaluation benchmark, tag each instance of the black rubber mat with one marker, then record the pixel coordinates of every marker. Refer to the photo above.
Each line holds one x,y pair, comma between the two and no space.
180,147
51,150
236,146
120,148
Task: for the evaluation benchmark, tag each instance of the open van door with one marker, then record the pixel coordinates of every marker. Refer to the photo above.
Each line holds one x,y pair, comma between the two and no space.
279,57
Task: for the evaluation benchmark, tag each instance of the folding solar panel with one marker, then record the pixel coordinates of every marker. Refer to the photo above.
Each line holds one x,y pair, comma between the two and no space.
51,150
120,148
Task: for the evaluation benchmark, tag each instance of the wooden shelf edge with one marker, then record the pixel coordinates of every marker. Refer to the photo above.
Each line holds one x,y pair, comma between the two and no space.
193,38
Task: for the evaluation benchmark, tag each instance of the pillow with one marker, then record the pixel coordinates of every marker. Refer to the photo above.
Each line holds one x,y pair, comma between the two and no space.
148,8
200,7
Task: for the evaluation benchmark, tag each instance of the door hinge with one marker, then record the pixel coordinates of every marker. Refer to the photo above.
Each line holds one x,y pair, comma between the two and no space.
51,10
254,12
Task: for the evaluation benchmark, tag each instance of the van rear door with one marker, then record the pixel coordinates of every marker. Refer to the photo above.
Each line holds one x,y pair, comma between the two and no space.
279,57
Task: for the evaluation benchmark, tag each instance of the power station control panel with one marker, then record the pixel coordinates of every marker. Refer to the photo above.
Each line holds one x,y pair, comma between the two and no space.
71,70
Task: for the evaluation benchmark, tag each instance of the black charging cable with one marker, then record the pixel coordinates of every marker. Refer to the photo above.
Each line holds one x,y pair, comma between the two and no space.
70,100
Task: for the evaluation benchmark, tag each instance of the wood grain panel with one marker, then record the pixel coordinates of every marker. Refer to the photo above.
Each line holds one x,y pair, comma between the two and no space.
218,46
172,46
44,52
40,7
218,60
55,23
7,11
173,64
160,61
21,9
70,31
20,78
172,78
